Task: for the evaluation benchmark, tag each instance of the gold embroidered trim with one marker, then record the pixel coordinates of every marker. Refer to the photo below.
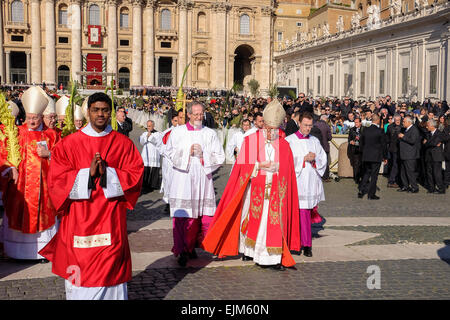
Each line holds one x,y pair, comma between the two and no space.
97,240
274,250
250,243
256,204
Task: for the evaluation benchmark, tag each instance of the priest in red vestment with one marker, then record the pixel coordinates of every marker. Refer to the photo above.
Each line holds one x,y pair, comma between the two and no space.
95,176
258,212
30,217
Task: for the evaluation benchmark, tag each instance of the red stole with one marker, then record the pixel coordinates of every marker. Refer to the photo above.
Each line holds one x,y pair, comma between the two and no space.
222,238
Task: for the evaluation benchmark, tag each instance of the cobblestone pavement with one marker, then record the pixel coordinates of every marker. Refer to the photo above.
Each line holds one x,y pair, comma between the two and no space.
402,234
407,279
421,278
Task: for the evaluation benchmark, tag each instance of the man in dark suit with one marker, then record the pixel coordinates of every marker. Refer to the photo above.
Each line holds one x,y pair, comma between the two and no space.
392,140
374,151
354,150
208,120
128,120
434,155
303,104
409,145
292,124
446,141
122,125
325,139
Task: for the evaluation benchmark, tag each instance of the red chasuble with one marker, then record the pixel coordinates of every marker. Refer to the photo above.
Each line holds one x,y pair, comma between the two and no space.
283,232
97,225
27,204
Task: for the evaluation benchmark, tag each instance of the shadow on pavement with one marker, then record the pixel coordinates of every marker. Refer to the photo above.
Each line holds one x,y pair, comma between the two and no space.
160,277
444,253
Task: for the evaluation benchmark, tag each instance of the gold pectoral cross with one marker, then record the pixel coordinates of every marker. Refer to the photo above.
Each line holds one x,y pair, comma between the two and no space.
267,193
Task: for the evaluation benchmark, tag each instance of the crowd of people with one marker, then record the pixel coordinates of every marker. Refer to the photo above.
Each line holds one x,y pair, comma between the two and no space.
335,116
65,196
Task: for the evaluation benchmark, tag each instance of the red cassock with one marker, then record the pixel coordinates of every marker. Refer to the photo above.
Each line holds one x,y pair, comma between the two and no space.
107,264
4,163
222,238
27,204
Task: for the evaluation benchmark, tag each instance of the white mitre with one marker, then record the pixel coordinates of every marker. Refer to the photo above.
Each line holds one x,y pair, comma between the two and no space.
34,100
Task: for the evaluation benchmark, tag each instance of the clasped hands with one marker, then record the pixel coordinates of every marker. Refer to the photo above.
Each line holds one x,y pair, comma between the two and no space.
196,151
98,166
269,166
310,157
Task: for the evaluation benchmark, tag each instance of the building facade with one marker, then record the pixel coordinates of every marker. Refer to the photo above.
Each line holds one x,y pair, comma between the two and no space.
140,43
401,49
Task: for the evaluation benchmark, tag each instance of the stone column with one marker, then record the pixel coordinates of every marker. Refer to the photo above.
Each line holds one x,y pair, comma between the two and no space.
220,47
446,70
7,67
76,39
50,42
36,60
29,66
150,52
136,67
182,38
111,59
266,31
174,72
2,65
157,71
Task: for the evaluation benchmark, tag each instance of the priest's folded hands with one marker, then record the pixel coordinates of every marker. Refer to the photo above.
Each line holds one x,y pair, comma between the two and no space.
269,166
310,157
98,166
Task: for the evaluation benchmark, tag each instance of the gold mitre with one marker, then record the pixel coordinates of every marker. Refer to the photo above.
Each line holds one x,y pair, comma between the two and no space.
51,107
78,113
12,106
34,100
61,105
84,108
274,114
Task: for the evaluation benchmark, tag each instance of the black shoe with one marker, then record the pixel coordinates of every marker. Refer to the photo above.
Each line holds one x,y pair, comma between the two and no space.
307,251
431,191
182,259
360,195
413,190
440,191
374,197
403,189
246,258
193,255
279,267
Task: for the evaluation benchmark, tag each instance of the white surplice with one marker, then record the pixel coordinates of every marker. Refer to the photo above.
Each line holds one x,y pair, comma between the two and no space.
309,179
166,168
150,152
235,142
191,192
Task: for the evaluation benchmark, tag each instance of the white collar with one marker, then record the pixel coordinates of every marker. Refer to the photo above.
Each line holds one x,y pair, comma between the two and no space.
41,126
88,130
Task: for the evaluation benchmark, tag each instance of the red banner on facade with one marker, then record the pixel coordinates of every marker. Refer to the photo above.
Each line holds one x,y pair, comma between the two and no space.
94,35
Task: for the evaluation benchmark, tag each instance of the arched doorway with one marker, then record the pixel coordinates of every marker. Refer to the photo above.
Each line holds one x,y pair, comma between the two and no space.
124,78
18,71
63,76
242,63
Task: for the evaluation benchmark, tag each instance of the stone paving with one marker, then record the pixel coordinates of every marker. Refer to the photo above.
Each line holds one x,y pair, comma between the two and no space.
406,236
